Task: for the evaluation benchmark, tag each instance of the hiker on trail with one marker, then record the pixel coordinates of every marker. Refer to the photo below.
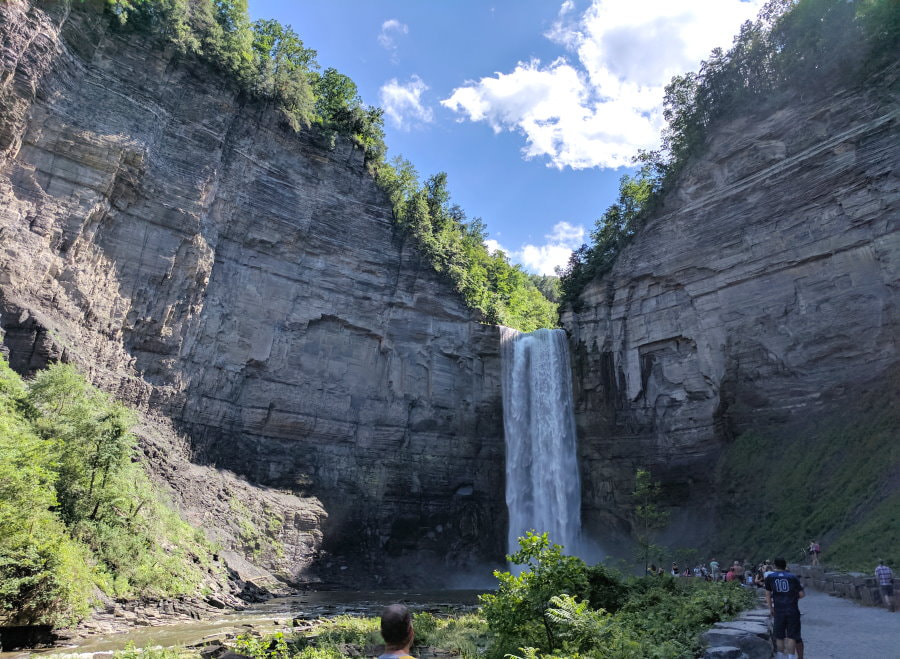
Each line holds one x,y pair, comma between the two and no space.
814,551
714,570
760,575
885,578
674,569
397,631
783,592
738,570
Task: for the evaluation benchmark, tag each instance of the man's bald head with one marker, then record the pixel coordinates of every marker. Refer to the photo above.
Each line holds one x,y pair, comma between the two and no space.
396,626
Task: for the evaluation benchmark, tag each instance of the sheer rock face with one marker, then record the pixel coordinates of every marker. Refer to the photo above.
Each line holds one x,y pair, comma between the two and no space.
204,262
764,290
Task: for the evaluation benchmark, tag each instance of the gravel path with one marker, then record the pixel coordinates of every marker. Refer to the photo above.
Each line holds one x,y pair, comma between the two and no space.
835,627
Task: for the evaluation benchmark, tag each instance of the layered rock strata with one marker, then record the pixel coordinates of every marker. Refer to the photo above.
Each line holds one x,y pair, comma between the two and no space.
763,291
200,260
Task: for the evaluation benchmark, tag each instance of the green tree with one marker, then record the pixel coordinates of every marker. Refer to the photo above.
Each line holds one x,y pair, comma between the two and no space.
516,612
548,285
336,96
284,65
649,517
807,45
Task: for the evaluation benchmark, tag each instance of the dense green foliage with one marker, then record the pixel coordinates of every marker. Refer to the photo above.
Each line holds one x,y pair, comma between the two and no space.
558,606
832,479
548,285
76,511
794,47
268,60
503,293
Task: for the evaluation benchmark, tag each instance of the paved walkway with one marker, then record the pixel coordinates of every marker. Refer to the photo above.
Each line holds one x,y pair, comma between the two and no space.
838,628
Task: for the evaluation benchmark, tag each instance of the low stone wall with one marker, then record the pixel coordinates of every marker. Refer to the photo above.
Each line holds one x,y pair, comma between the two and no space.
747,637
850,585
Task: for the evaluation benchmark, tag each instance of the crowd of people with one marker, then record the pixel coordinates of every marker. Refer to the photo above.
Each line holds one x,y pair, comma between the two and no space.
743,572
783,590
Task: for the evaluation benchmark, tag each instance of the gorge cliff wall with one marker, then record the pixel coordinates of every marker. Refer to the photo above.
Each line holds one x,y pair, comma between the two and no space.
763,292
245,283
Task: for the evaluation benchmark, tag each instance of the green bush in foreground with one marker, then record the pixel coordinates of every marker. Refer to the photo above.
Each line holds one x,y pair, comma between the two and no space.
558,606
77,512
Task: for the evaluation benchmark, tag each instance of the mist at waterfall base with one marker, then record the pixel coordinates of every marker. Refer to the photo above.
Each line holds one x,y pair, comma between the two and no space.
543,487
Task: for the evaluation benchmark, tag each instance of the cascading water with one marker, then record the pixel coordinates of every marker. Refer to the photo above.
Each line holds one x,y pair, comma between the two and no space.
543,489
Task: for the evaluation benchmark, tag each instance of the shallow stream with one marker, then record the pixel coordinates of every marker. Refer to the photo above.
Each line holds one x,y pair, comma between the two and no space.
267,617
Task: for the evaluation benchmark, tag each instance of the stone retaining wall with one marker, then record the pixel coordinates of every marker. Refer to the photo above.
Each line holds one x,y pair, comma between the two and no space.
747,637
856,586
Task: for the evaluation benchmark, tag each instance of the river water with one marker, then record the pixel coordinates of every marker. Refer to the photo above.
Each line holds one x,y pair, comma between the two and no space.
268,617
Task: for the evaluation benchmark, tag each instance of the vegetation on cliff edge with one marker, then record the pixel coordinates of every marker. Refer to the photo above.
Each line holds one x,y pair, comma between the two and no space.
794,47
268,60
78,514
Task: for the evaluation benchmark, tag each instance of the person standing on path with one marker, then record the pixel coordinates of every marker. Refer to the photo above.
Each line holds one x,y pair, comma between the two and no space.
714,570
814,550
783,592
397,631
885,578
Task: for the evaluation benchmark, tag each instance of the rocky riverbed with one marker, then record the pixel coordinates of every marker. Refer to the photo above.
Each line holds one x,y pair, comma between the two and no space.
188,624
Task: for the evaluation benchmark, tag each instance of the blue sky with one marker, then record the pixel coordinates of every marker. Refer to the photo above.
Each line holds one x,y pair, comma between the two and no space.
532,107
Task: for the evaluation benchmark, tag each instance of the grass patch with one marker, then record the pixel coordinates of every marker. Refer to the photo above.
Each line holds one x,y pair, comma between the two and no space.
835,480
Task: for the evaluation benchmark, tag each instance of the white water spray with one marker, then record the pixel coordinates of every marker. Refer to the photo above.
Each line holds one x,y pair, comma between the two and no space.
543,489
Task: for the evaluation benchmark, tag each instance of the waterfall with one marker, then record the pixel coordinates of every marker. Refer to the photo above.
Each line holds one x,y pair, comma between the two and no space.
543,489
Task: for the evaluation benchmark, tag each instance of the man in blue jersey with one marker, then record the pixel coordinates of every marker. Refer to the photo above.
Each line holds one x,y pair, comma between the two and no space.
783,591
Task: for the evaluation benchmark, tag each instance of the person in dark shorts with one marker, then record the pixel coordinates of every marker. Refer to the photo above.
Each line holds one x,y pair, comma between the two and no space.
397,631
885,578
783,592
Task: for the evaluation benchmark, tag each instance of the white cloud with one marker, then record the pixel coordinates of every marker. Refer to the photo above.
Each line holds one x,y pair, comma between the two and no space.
494,246
599,108
543,259
390,30
402,103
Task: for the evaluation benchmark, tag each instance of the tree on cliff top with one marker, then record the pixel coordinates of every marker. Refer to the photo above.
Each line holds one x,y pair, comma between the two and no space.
454,245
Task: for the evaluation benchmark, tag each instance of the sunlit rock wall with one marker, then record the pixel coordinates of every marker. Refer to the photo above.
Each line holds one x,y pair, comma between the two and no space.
765,290
200,260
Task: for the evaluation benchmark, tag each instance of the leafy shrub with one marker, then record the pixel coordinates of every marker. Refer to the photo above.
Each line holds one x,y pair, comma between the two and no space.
131,651
270,647
547,610
76,510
